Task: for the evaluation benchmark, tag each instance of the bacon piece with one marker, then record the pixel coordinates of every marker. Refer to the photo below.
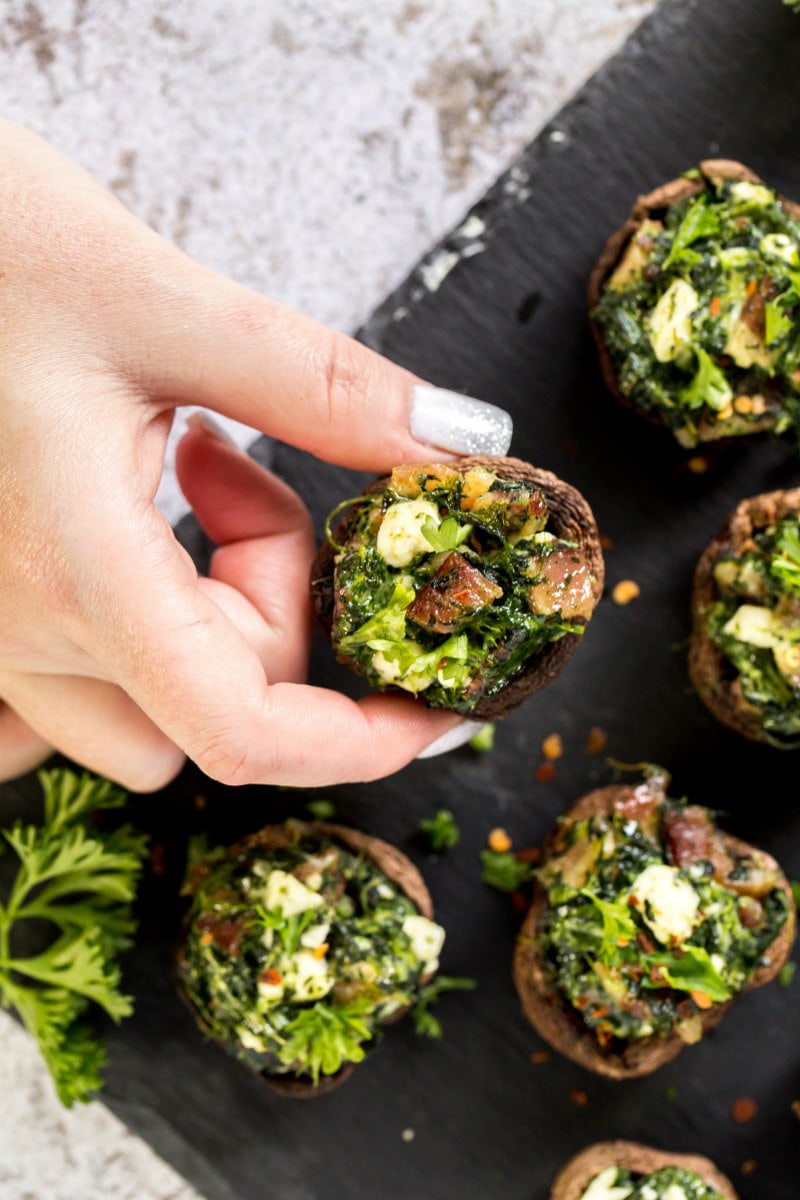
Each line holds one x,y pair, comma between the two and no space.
691,837
641,806
225,932
455,592
563,584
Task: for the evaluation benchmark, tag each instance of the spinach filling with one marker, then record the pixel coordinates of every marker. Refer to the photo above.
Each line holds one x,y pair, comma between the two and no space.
700,315
295,954
450,582
667,1183
756,625
651,920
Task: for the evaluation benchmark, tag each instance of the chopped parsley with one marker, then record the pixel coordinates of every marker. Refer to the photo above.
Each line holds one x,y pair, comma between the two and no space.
501,869
440,830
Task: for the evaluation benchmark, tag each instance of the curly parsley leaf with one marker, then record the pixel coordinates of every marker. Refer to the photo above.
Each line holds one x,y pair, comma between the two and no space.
322,1038
83,882
425,1023
693,971
440,830
446,536
501,870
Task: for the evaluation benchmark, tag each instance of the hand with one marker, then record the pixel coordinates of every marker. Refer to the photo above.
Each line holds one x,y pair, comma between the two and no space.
112,650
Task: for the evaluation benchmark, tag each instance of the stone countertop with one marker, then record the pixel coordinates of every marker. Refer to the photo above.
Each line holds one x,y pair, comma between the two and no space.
313,151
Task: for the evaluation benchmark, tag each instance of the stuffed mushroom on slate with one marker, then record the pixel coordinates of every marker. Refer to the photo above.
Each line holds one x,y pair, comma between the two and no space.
695,306
744,657
622,1170
301,943
647,921
466,583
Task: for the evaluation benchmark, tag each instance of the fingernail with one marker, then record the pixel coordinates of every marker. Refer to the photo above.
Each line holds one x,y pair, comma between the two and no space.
455,737
201,422
458,423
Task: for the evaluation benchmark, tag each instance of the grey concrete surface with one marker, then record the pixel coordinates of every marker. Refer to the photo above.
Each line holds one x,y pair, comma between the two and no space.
313,150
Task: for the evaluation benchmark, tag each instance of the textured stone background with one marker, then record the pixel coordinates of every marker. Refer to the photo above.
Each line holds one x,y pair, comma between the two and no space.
313,150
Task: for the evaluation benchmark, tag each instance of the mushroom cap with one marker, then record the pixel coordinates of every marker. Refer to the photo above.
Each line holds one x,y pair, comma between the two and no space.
573,1180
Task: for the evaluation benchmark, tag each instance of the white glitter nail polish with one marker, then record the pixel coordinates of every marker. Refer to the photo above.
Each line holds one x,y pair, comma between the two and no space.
459,423
455,737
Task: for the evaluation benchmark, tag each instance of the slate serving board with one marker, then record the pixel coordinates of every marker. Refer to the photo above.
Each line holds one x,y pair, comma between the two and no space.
717,77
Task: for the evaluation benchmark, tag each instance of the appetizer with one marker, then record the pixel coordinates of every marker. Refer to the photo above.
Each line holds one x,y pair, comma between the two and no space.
744,656
302,941
694,304
468,583
628,1171
647,921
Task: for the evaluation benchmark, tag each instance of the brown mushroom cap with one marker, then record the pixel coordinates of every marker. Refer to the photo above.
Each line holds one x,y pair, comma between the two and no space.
570,518
554,1020
712,170
713,678
572,1182
394,865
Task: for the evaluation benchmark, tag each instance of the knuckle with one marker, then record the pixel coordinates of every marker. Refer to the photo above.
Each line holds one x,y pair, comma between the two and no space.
346,381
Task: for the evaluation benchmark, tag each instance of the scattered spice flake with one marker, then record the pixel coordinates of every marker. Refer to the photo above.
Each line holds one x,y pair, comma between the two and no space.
671,1092
625,591
545,772
606,542
540,1056
552,746
579,1097
796,1108
200,802
520,901
749,1166
743,1110
596,741
499,841
698,464
531,854
157,852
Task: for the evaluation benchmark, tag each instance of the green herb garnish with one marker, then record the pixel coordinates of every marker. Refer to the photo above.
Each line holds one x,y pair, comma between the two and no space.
425,1023
440,830
501,870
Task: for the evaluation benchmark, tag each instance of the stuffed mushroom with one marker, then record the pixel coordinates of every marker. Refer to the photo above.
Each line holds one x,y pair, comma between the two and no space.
694,306
744,657
647,921
301,943
467,583
628,1171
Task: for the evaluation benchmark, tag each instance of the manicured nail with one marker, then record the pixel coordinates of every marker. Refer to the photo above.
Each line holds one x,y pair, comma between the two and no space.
455,737
201,422
458,423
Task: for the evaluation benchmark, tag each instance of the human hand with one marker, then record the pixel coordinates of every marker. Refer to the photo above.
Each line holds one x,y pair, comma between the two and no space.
112,650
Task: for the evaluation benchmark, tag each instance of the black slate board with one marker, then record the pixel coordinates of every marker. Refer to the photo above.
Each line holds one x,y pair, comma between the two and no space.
508,324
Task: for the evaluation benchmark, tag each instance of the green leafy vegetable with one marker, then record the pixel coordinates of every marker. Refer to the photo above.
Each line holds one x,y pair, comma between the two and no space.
483,741
693,971
786,562
440,830
709,385
700,221
787,973
425,1023
83,882
322,810
501,870
446,536
325,1037
618,923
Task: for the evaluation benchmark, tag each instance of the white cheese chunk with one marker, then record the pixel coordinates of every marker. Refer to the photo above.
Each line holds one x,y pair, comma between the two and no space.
757,626
604,1187
780,245
400,538
667,903
675,1192
315,936
288,894
308,976
426,937
670,323
750,195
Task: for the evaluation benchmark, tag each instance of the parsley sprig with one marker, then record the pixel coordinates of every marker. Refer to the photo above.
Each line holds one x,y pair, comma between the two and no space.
82,882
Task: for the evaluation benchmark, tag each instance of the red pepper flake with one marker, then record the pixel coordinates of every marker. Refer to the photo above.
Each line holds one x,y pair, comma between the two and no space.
715,306
645,943
579,1097
698,464
545,772
596,740
530,855
701,999
200,802
271,977
552,746
520,902
633,901
206,938
749,1166
157,851
499,841
743,1110
606,542
795,1106
540,1056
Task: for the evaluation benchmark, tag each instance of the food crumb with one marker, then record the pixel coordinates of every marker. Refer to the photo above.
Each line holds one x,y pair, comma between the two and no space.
545,772
743,1110
157,852
499,841
796,1108
625,591
671,1092
596,740
579,1097
200,802
407,1135
552,746
606,542
698,464
540,1056
749,1166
